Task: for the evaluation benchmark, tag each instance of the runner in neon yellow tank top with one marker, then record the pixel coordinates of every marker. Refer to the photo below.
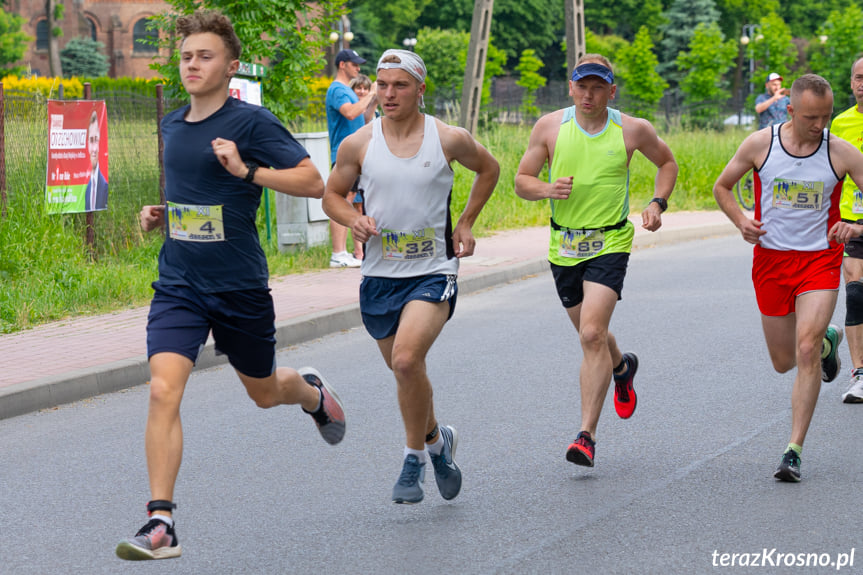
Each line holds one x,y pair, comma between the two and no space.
588,148
849,126
599,200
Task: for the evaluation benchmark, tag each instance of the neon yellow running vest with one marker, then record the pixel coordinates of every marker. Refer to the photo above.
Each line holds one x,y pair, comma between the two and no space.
592,220
849,126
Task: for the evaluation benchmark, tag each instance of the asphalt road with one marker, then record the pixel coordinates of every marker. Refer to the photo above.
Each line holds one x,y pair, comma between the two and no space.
686,480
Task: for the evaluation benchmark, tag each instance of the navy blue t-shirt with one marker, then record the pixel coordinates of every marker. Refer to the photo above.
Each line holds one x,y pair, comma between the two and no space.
194,176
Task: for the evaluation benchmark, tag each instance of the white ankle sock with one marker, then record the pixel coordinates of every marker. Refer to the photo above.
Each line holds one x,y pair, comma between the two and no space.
163,518
421,455
436,447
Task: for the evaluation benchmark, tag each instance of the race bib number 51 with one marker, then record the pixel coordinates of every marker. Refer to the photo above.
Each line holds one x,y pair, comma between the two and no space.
797,194
406,246
193,223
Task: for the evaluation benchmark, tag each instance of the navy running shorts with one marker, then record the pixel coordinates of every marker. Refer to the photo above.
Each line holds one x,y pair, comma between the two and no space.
242,323
382,299
608,270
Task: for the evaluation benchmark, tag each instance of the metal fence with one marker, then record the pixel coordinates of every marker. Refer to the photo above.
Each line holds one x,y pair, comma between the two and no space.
670,114
133,125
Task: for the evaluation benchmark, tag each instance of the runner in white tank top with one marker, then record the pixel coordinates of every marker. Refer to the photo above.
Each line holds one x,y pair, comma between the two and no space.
409,199
409,290
798,239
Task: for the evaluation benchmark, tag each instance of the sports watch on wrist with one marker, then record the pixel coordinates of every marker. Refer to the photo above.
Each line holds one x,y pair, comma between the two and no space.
663,203
253,167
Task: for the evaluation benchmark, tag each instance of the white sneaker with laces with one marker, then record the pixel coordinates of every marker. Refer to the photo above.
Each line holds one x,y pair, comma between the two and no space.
344,260
855,392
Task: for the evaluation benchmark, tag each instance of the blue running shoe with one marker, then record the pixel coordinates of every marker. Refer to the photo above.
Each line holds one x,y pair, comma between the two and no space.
408,488
446,473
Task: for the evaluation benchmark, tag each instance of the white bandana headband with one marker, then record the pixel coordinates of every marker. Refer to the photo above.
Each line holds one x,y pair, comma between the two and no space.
410,63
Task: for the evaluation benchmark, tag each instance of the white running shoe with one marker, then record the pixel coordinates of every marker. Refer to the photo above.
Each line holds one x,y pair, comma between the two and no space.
855,392
344,260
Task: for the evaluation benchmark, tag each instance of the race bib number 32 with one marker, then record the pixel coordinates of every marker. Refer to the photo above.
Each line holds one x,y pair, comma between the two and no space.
193,223
797,194
406,246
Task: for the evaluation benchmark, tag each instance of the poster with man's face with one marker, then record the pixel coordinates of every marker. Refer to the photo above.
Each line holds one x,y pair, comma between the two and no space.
77,175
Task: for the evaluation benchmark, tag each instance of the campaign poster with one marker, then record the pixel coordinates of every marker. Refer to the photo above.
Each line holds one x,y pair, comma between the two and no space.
77,175
246,90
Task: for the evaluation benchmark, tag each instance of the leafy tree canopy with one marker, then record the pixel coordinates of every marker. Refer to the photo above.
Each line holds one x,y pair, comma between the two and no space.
681,19
13,42
290,34
636,67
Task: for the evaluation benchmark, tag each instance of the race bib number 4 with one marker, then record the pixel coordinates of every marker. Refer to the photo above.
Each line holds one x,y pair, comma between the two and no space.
407,246
577,244
797,194
192,223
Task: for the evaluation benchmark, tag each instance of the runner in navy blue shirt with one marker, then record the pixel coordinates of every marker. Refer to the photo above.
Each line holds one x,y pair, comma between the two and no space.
219,154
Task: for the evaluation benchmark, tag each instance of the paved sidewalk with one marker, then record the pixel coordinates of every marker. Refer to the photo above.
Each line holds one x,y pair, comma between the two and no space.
81,357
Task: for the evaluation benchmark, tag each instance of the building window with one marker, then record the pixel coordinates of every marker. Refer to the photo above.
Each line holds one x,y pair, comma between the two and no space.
42,35
143,38
91,26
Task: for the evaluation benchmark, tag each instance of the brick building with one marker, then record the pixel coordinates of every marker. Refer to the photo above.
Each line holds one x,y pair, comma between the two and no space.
119,25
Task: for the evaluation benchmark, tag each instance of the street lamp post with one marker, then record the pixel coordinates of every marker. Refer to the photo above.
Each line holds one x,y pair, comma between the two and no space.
341,36
750,33
409,43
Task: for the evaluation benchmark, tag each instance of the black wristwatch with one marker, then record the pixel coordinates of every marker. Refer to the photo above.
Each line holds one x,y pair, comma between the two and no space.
253,167
663,204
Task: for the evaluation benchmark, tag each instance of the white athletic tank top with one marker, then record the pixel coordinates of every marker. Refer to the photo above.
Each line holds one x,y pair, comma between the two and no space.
409,199
799,197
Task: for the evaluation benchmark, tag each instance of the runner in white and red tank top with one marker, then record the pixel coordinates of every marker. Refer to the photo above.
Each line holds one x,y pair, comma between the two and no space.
799,168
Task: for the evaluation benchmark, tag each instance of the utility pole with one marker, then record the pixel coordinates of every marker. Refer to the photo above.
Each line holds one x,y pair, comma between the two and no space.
574,10
471,92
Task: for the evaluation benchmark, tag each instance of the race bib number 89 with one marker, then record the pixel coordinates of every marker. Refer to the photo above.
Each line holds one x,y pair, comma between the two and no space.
193,223
581,244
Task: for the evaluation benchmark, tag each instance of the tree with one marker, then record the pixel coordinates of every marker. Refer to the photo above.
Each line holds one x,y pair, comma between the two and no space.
681,19
530,80
446,73
289,33
609,46
735,13
844,36
13,42
772,48
637,65
622,18
55,13
516,24
84,57
703,65
805,16
383,25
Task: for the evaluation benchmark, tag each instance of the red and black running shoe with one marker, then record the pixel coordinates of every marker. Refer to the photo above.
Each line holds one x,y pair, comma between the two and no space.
625,399
581,450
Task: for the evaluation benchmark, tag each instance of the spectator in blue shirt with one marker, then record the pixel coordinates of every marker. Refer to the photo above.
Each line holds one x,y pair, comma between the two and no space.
345,115
772,106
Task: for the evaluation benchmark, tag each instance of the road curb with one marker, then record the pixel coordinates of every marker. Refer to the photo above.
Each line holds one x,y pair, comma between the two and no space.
49,392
